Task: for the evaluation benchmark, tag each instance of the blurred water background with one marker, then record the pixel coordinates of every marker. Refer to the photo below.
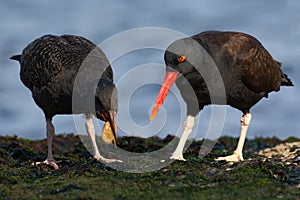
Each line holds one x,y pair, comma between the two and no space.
275,23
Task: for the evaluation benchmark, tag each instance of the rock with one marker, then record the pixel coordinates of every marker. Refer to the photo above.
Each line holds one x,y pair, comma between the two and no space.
286,152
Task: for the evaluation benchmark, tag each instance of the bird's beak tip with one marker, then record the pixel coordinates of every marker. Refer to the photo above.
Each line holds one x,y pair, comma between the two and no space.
154,112
152,117
112,115
170,78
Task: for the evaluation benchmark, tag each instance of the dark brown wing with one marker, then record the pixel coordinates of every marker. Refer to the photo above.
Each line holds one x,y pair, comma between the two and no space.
260,72
94,52
50,57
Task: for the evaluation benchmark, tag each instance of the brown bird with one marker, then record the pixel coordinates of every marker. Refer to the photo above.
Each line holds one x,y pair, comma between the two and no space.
227,68
49,68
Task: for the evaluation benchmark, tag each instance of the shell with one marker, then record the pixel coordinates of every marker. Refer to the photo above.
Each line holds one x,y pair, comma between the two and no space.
107,134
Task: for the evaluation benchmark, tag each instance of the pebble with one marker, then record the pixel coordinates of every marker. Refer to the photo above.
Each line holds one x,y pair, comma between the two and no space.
286,151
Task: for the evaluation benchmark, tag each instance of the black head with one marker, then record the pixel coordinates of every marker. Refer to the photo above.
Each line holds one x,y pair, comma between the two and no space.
106,97
106,102
183,55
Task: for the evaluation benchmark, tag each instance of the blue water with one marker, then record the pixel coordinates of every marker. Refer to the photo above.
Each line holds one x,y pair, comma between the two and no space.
275,23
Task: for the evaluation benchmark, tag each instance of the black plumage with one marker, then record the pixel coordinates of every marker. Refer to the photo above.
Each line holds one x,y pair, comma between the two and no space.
247,69
238,60
51,65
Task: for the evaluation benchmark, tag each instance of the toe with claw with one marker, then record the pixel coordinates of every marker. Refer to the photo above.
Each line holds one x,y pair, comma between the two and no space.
177,157
50,162
236,157
106,160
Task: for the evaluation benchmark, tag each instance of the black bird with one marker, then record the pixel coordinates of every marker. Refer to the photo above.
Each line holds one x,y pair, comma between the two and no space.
50,67
227,68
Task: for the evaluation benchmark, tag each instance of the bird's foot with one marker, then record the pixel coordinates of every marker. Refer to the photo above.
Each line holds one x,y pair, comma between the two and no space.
235,157
106,160
50,162
177,156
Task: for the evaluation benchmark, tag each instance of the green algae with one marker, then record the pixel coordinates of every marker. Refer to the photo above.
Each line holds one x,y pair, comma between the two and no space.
82,177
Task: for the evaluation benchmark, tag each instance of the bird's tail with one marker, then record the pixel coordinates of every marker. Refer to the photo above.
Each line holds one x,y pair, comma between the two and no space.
285,80
16,57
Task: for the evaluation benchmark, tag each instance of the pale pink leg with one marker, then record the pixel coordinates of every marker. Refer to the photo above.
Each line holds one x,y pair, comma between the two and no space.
91,132
50,134
238,153
188,126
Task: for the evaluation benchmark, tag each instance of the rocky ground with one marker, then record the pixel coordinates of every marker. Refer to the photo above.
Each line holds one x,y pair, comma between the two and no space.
271,170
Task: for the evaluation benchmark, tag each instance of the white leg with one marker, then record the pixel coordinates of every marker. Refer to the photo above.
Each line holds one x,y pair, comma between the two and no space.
50,134
238,153
91,132
188,126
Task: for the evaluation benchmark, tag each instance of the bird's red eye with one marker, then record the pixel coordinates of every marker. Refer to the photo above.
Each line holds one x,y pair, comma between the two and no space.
181,58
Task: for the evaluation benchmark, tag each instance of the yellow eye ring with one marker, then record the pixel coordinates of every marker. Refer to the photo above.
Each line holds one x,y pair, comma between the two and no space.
181,58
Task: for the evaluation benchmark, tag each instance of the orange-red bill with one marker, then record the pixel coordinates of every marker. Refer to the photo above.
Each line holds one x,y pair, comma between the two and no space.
170,78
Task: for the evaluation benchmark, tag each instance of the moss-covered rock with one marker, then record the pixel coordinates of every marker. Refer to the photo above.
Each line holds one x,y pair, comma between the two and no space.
270,171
